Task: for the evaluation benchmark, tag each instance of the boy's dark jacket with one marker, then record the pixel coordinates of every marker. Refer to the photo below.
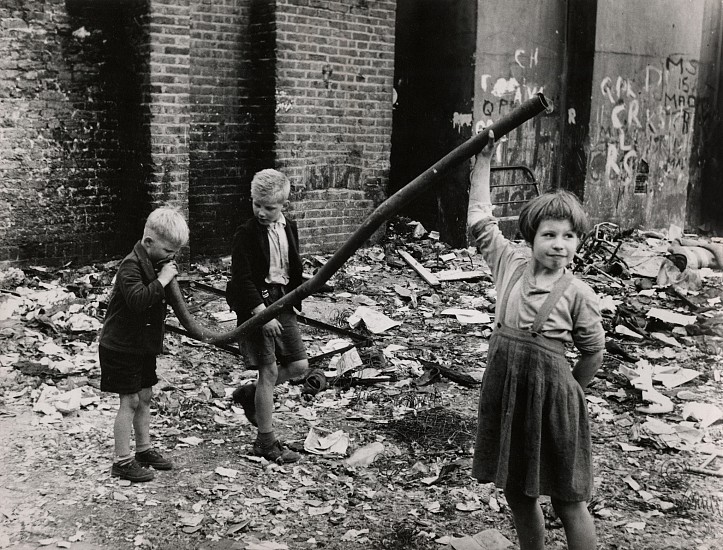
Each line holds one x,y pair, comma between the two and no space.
250,266
137,308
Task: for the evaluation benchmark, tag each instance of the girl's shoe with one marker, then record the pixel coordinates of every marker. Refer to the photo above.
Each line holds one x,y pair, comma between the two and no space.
151,457
131,471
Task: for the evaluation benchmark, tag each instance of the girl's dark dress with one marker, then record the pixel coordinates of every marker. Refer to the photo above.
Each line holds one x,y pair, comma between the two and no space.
533,433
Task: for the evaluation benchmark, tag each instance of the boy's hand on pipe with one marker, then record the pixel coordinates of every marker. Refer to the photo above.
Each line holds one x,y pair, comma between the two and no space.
168,272
273,328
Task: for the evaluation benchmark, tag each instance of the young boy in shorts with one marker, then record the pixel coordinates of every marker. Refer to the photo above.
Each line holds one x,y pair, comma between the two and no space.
132,336
266,265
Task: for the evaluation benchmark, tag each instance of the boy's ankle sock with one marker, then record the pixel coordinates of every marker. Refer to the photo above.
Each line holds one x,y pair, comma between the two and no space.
143,448
265,439
125,459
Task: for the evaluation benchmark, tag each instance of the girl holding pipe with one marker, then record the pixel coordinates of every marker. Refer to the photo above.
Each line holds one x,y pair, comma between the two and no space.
533,435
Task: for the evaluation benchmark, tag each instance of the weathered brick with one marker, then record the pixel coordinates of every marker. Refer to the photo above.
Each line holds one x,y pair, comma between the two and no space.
198,111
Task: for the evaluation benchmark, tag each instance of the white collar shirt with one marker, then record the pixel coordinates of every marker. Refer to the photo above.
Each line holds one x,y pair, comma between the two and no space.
278,253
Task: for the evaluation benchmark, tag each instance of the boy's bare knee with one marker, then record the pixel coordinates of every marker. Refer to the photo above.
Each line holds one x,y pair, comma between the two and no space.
130,401
145,396
296,368
268,372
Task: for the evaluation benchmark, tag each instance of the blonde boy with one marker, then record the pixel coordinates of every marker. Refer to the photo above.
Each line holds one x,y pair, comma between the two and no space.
132,336
265,266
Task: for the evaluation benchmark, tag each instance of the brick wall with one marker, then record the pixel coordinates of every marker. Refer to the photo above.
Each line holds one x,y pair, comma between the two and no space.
166,100
335,69
67,90
108,109
260,97
232,83
221,154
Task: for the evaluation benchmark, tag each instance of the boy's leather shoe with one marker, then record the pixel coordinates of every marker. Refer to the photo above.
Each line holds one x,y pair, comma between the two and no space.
246,397
276,452
153,458
131,471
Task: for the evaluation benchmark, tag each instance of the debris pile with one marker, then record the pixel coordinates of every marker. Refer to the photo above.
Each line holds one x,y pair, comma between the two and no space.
398,341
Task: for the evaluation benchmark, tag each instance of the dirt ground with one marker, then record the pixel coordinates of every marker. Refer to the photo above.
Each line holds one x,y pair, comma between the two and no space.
56,490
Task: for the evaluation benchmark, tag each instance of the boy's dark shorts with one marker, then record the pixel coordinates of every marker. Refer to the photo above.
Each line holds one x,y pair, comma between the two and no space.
264,350
126,373
287,348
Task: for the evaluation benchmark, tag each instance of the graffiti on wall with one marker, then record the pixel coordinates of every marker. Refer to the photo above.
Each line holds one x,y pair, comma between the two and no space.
502,94
643,121
332,175
461,120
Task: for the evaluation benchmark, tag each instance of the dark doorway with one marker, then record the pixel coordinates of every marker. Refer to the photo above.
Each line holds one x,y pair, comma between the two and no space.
704,207
434,84
577,89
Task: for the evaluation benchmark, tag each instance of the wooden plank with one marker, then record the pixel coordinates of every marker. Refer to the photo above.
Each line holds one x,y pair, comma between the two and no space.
422,271
706,469
459,275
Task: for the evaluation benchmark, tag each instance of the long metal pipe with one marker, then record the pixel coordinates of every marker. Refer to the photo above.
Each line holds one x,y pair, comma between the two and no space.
524,112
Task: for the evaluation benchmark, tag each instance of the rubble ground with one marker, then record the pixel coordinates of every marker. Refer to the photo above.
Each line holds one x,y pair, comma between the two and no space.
387,446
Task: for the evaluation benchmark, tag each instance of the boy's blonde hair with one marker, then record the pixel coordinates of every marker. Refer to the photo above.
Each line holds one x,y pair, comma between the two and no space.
169,224
270,185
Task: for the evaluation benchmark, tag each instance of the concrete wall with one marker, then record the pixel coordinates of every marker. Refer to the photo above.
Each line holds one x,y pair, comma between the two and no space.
634,95
705,194
646,94
520,47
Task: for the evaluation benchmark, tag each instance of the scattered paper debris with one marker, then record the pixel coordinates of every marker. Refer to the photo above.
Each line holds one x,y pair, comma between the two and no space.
374,320
704,413
468,316
226,472
365,455
322,442
671,317
191,440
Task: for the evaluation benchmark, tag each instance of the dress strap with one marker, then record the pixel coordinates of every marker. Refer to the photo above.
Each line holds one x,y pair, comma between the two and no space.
556,293
516,274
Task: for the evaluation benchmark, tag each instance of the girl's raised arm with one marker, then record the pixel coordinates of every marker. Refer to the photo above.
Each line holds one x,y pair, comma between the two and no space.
480,203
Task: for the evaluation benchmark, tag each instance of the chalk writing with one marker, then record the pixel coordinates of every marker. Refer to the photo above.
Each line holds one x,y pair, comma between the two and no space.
503,88
645,116
284,102
525,60
459,120
502,94
332,175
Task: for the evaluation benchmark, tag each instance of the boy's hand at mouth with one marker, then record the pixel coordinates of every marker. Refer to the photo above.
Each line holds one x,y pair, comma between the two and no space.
169,269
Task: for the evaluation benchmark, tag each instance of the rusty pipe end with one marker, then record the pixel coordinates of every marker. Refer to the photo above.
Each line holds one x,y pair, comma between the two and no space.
546,103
